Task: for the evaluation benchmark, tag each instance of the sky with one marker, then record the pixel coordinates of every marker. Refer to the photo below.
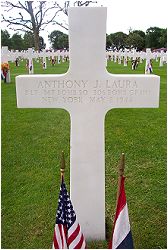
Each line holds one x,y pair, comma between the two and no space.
123,15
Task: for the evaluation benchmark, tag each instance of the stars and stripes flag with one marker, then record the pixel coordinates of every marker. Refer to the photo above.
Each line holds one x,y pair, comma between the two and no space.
67,232
122,236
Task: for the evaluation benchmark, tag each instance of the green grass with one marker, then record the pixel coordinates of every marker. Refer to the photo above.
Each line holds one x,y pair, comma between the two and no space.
32,140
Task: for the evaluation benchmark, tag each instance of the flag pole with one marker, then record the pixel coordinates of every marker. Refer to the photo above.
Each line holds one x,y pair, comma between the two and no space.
62,169
121,167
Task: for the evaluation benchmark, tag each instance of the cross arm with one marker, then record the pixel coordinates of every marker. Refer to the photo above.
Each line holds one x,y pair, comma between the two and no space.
42,91
105,91
132,91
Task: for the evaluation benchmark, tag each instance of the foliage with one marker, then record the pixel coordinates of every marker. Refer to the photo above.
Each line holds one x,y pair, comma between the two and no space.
17,42
156,37
139,32
163,38
28,40
118,40
134,40
42,44
5,39
58,39
108,41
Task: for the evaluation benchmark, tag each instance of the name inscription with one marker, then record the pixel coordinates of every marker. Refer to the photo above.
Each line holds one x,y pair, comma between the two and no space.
86,91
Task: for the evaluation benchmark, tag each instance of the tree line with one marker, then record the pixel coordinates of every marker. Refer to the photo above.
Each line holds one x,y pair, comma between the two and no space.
33,16
154,38
19,42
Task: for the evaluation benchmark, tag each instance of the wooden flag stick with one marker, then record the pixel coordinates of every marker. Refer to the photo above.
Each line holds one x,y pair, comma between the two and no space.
62,169
120,174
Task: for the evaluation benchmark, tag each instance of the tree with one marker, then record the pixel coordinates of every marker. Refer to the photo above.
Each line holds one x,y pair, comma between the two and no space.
28,40
118,39
5,38
163,38
135,40
108,41
34,16
42,44
58,39
153,35
17,42
139,32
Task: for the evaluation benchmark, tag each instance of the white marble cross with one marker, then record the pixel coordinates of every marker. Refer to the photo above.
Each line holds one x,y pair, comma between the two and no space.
87,91
134,54
4,54
148,57
30,58
161,58
58,56
43,54
125,57
115,56
4,59
119,56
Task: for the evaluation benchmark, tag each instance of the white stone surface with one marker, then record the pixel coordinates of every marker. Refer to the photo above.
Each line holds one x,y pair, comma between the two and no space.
161,58
4,59
30,58
125,58
4,54
87,91
148,64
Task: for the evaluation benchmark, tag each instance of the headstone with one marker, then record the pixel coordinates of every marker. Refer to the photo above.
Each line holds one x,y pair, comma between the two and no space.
125,58
119,57
156,56
112,58
148,65
4,60
161,58
141,57
87,91
115,56
134,59
134,54
62,56
30,61
44,61
58,57
4,54
53,58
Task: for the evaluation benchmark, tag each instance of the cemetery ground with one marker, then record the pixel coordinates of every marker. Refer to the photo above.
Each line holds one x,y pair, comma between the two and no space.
32,141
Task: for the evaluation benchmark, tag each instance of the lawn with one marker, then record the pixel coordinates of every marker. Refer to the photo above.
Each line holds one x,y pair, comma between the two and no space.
32,141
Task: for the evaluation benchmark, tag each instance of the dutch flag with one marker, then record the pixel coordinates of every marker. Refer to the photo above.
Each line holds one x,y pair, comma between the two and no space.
122,237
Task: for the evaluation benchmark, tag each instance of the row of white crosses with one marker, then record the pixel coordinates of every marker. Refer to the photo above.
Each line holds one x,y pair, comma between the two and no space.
30,54
87,91
133,54
60,55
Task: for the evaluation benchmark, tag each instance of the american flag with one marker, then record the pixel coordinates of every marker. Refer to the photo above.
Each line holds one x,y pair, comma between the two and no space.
67,232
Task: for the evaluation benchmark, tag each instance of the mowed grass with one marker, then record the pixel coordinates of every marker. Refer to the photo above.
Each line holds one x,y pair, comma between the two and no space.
32,141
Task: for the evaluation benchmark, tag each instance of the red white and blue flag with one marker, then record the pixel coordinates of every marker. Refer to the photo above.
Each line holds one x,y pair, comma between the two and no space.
122,236
67,232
